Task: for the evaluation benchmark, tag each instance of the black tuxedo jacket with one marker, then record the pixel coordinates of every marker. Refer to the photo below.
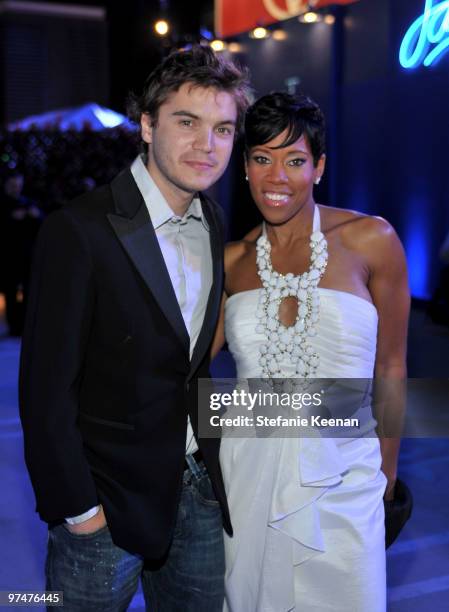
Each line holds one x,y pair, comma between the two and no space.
106,381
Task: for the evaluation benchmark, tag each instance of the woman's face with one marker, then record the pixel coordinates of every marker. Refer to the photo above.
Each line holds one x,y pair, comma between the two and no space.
281,180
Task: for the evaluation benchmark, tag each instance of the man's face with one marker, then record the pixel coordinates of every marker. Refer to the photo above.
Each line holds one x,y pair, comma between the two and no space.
191,142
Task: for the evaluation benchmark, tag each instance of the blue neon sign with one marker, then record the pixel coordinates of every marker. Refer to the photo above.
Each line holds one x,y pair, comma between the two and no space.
431,28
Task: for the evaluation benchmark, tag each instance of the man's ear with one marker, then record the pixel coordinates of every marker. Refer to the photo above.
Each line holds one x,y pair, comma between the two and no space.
146,128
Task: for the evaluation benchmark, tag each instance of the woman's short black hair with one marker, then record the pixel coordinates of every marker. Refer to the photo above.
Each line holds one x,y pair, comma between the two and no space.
278,111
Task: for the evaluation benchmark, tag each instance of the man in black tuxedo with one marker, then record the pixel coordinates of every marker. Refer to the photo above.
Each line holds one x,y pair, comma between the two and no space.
125,294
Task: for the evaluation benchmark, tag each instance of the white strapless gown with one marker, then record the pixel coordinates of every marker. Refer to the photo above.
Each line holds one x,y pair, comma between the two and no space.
307,513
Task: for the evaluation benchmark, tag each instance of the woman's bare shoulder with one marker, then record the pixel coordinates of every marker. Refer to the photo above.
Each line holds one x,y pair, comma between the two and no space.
357,230
333,217
353,221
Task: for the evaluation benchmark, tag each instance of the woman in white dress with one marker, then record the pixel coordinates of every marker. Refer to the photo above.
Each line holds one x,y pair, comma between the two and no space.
315,292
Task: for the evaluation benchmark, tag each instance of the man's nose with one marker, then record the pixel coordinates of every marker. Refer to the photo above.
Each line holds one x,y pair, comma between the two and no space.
205,140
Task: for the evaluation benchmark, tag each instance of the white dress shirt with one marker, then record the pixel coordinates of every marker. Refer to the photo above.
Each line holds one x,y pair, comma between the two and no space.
185,246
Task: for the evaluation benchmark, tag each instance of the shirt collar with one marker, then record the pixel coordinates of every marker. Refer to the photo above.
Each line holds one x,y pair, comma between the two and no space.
158,208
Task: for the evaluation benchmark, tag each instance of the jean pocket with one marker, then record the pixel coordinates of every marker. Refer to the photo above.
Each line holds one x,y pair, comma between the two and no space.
204,491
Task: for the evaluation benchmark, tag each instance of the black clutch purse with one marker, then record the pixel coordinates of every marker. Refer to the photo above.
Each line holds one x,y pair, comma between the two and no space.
397,511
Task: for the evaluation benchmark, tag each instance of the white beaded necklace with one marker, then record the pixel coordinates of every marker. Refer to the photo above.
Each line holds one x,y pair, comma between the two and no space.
292,340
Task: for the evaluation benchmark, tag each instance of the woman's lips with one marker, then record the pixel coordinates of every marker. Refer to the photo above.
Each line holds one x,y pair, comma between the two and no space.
275,199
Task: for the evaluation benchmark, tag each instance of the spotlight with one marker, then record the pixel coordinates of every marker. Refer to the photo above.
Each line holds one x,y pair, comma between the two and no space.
161,27
217,45
279,35
329,19
310,17
259,33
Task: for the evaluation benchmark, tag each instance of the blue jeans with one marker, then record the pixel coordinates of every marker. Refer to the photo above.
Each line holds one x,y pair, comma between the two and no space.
98,576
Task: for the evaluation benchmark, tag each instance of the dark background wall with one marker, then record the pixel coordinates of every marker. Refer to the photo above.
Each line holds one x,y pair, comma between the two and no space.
50,61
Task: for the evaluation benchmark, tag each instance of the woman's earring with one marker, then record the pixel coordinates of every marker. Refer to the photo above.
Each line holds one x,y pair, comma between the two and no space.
318,180
246,177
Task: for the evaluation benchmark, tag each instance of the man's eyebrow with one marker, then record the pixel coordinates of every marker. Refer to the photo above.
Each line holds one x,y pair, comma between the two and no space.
183,113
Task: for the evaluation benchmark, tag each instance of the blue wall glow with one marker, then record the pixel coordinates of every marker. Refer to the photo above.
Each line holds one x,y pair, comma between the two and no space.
358,200
430,28
417,247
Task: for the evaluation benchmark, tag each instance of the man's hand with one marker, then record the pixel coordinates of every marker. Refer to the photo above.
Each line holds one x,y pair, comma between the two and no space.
93,524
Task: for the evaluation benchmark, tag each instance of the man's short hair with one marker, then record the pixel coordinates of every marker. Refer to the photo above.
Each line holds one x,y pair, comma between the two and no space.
199,66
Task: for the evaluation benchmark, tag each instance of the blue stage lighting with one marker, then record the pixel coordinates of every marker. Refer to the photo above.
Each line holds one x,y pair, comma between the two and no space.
417,248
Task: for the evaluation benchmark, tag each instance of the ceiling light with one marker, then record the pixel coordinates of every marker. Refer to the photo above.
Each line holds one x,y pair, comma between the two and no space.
217,45
235,47
259,33
279,35
310,17
161,27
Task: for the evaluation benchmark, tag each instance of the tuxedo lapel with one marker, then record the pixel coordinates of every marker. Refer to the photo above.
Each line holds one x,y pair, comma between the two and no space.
213,303
133,227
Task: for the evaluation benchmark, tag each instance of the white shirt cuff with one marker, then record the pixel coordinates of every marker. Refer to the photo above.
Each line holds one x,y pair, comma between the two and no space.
75,520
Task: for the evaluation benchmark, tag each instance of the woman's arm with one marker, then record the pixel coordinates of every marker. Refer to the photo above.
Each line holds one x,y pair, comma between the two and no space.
232,255
219,338
388,286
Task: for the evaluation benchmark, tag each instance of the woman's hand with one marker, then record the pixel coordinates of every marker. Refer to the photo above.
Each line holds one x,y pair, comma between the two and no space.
390,450
389,491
